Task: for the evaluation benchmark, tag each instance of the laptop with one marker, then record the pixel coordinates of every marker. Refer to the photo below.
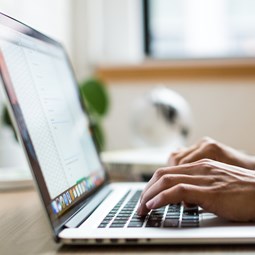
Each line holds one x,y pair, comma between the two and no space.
81,205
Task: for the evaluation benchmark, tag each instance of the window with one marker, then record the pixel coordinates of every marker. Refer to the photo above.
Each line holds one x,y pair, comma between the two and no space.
184,29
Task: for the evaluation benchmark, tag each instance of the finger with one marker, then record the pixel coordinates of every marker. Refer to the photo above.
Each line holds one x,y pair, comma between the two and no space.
189,205
176,157
187,193
195,168
175,153
193,156
200,167
168,181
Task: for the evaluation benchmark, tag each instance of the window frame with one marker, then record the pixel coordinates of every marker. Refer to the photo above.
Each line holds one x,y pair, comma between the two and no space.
146,35
146,16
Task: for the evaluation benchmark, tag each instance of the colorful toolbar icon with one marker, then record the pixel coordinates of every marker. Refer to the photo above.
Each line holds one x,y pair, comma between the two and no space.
75,193
71,194
54,207
59,204
80,189
65,199
68,197
62,202
77,190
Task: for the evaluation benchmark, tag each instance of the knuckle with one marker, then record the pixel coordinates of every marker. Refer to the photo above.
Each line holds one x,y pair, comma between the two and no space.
181,188
211,180
212,147
214,172
166,179
215,179
207,167
175,156
159,173
209,142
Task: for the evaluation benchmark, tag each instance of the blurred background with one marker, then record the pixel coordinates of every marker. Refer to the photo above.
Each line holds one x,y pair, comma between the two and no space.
202,49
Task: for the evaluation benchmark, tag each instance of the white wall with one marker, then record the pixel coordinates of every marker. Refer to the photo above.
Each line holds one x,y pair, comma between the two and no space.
222,110
47,16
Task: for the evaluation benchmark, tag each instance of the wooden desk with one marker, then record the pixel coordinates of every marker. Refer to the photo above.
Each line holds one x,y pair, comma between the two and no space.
24,230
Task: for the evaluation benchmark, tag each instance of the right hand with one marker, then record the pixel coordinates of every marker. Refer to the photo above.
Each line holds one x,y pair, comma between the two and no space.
211,149
219,188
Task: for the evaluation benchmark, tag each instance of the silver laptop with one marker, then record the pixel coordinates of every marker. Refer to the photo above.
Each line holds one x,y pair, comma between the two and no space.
55,131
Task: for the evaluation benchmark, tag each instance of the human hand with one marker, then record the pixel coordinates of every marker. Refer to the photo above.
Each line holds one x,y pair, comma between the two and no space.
226,190
211,149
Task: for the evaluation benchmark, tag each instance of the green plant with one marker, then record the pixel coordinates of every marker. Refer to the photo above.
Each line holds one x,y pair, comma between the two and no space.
6,117
96,100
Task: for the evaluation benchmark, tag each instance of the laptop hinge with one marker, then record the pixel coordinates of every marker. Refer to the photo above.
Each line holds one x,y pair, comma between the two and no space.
86,211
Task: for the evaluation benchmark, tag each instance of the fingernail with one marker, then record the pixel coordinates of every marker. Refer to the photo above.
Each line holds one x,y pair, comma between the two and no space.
150,204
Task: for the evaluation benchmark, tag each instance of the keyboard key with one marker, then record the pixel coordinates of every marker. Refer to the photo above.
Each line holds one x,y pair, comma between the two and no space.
117,225
153,223
102,225
138,217
189,224
122,219
190,217
171,223
190,221
191,209
135,224
172,217
173,214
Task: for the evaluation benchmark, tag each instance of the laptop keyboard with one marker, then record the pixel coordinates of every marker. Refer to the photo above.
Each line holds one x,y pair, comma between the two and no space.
123,214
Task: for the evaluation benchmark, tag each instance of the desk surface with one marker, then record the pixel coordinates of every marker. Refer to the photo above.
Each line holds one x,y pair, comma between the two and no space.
24,230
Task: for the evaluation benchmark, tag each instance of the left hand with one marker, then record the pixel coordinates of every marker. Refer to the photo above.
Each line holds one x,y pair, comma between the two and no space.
211,149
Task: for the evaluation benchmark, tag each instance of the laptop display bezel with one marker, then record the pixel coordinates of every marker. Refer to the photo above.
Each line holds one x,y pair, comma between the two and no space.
22,131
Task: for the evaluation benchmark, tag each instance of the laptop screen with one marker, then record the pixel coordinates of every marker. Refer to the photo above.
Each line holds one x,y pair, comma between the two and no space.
54,129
